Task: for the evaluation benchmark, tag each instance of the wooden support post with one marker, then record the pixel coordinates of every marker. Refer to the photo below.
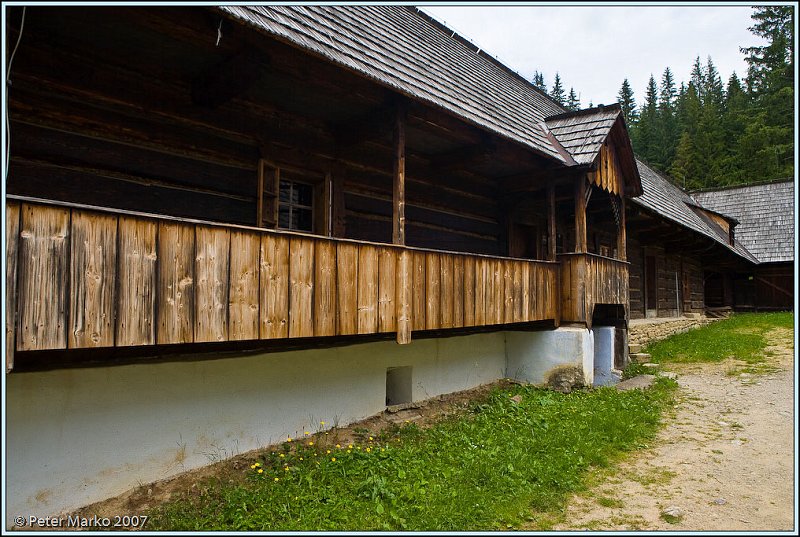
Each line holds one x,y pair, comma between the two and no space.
338,228
622,242
580,215
399,186
551,222
403,288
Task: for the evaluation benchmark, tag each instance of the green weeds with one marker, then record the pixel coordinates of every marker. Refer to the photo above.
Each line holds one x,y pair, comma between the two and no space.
498,465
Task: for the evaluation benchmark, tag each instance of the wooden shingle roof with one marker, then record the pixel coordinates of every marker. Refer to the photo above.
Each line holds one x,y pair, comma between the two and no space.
582,133
407,51
765,214
662,197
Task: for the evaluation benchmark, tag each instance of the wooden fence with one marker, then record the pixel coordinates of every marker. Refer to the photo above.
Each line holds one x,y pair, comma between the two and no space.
81,277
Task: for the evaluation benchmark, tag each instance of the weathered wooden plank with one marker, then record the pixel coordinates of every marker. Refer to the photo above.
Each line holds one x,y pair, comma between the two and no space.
580,214
43,277
93,265
509,298
446,290
367,289
175,311
325,288
518,291
482,290
551,222
12,255
535,293
274,285
418,292
404,294
347,284
433,291
387,289
458,291
525,281
243,301
469,291
136,281
498,292
212,261
301,287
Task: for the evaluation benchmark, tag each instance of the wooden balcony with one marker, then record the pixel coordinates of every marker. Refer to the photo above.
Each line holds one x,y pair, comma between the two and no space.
83,277
588,280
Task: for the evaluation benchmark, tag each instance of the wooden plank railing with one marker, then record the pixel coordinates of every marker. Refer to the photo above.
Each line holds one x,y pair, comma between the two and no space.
82,277
588,280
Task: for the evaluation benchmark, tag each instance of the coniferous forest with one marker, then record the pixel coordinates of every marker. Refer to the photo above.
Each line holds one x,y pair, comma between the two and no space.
708,132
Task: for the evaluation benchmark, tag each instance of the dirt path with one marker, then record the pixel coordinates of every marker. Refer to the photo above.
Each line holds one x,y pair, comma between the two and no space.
724,461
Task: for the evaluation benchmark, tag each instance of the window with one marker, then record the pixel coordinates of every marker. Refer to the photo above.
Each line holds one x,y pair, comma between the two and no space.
295,206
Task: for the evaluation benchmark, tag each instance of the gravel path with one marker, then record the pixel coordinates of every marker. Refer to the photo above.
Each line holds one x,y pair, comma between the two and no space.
724,461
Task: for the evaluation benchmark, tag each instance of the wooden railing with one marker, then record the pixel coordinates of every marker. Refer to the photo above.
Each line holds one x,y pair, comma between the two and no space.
588,280
81,277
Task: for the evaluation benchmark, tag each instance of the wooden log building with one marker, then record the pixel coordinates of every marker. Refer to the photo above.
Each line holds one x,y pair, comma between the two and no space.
219,221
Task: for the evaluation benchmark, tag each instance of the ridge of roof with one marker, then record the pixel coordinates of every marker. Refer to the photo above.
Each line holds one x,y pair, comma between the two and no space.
600,108
745,185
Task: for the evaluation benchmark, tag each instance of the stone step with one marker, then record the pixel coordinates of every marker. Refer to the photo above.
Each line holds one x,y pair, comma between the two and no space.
635,348
639,357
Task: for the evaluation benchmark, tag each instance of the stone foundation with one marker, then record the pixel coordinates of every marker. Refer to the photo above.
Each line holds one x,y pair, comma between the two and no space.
644,331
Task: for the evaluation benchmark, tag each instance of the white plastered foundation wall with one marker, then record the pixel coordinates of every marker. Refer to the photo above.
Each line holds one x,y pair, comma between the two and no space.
76,436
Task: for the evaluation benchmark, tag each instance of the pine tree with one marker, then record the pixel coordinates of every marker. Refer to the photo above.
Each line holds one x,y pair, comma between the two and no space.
646,126
627,102
689,163
769,136
557,93
666,133
573,102
734,122
538,81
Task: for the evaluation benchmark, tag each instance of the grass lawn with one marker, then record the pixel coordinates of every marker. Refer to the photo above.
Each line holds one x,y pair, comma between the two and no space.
500,463
742,336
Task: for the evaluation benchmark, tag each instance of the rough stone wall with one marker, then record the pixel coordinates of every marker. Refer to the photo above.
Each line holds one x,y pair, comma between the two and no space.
648,332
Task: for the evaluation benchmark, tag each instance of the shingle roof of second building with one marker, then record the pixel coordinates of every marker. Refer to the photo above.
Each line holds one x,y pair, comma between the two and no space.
766,217
666,199
401,48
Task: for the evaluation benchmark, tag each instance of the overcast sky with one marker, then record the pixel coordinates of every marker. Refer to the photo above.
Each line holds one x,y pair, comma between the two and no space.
594,48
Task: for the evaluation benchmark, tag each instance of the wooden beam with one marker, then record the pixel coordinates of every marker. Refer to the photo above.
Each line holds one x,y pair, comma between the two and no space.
580,214
227,79
551,222
464,156
538,179
374,124
622,240
399,179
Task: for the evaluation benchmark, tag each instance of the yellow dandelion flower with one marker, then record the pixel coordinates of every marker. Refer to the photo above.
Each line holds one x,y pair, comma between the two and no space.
322,423
383,449
301,458
328,451
368,450
371,439
311,443
306,433
350,446
285,468
348,451
260,470
257,464
333,459
338,446
276,479
359,447
288,438
252,466
281,455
